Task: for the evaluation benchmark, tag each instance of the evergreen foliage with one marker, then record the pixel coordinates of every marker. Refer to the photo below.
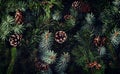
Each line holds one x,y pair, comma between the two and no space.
93,36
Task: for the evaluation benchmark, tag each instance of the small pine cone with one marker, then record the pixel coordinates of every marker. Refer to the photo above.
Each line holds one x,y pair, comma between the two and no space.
60,36
81,6
39,65
91,65
94,64
76,5
99,41
19,17
67,17
15,40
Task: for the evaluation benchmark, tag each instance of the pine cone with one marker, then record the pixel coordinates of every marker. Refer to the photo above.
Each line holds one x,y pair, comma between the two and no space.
19,17
94,65
76,5
81,6
60,36
99,41
15,40
67,17
41,65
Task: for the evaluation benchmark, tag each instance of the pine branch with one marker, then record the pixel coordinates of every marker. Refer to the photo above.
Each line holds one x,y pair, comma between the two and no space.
90,18
110,17
46,41
48,56
88,24
115,37
56,15
12,5
8,26
62,63
102,50
73,12
116,3
18,29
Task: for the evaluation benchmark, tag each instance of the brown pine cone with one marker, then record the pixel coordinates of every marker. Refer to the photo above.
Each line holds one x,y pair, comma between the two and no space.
67,17
19,17
60,36
99,41
76,5
15,40
81,6
39,65
94,64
